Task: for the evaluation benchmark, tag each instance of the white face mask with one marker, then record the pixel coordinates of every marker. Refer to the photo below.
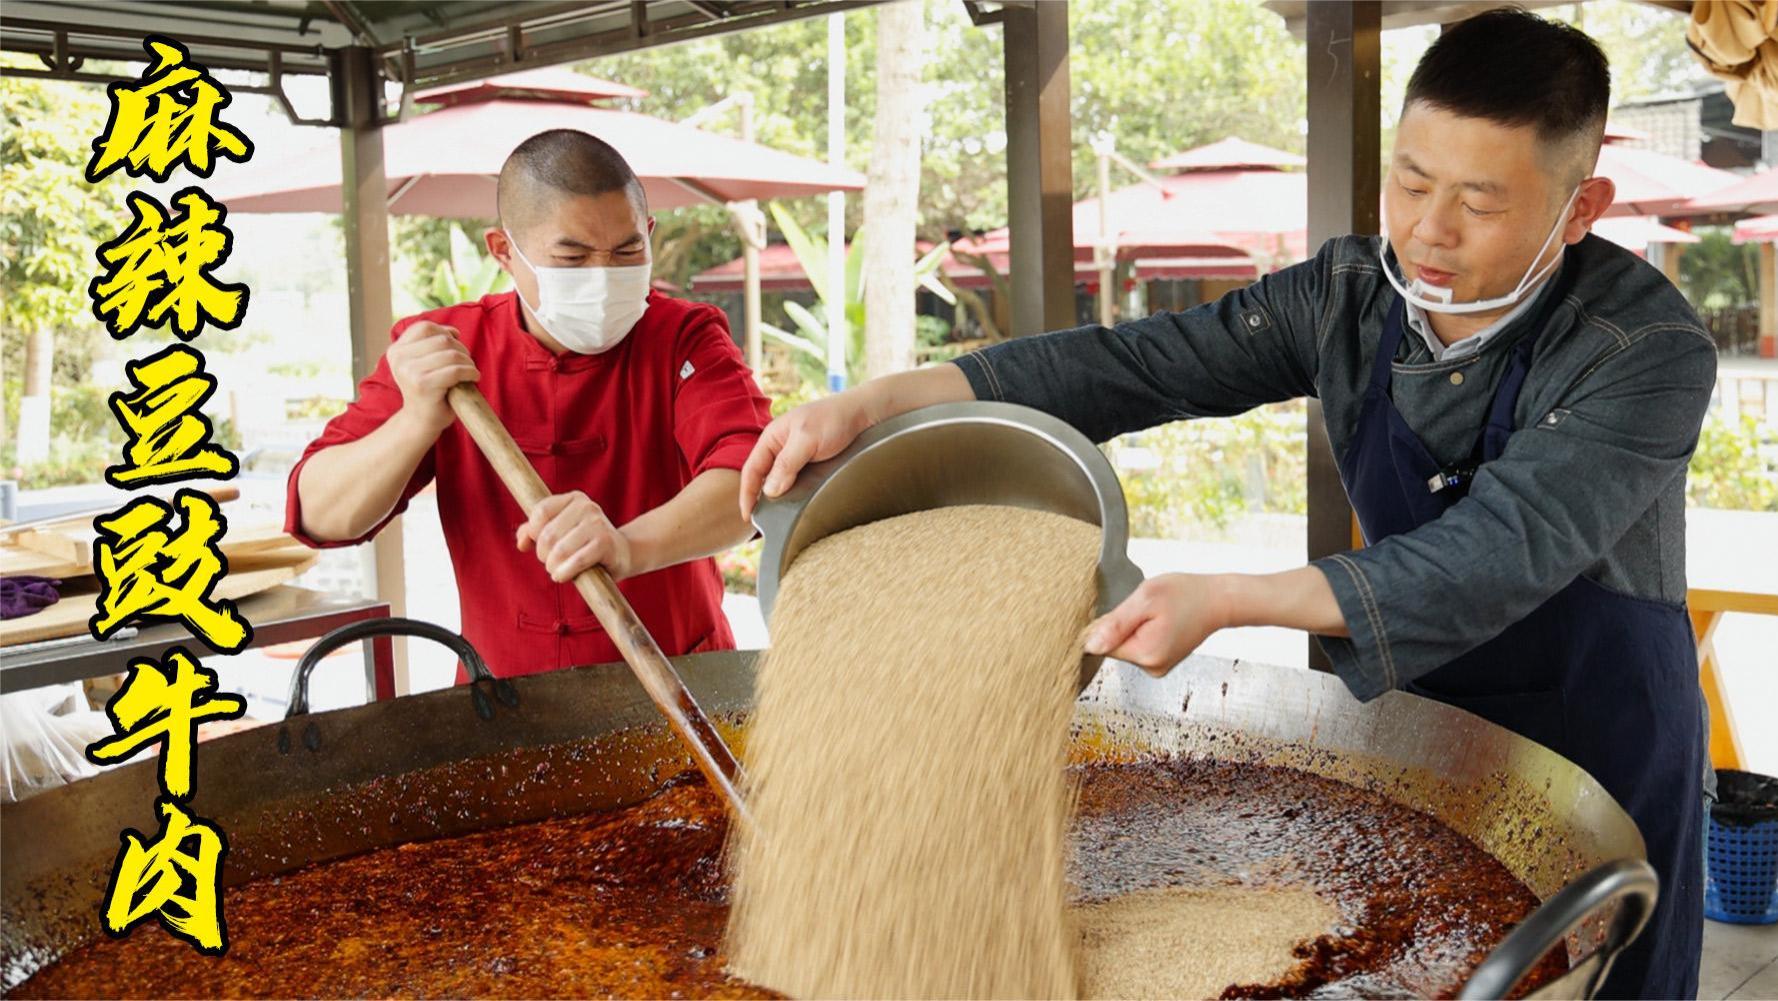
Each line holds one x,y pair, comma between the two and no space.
587,310
1434,299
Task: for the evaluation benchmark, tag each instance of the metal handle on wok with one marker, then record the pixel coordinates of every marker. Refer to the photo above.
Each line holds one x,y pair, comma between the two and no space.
397,626
1631,881
480,677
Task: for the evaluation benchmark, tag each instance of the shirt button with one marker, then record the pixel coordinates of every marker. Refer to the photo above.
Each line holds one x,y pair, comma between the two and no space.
1456,378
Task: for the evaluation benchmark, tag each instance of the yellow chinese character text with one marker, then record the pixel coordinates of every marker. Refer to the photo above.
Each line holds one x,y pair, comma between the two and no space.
165,119
164,703
150,878
168,438
155,268
147,571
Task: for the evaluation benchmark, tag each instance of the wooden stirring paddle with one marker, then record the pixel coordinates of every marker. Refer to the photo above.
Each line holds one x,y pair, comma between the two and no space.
640,651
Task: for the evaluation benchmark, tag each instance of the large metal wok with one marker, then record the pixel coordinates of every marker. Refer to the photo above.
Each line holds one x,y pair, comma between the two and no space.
321,786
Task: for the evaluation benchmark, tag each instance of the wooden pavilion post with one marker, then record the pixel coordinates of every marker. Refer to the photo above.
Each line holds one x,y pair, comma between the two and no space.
1345,157
1039,166
358,97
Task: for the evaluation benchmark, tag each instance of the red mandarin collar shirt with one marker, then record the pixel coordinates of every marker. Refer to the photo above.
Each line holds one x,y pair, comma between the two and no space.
629,427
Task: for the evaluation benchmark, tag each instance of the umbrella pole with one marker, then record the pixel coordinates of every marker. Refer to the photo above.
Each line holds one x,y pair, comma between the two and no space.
1107,262
839,339
750,282
750,251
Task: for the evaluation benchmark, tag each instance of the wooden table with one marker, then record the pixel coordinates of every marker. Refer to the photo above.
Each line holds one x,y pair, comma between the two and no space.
1732,566
1707,607
279,615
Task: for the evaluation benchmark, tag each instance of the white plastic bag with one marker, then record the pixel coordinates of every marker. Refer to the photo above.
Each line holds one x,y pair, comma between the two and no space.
45,732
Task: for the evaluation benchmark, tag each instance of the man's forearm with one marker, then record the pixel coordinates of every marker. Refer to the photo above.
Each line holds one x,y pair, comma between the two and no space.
897,394
700,521
1294,599
346,489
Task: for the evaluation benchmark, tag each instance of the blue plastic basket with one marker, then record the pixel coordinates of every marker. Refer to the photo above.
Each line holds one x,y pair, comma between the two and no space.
1741,851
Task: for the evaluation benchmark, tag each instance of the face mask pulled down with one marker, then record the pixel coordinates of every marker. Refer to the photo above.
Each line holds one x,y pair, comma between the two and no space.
587,310
1434,299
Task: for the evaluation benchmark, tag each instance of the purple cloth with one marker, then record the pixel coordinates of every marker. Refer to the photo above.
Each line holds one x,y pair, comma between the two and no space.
22,596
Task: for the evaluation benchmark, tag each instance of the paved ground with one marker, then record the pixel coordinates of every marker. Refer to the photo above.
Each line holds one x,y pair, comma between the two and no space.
1740,962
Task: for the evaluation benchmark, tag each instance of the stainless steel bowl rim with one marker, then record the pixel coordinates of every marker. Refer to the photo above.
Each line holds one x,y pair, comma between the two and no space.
776,518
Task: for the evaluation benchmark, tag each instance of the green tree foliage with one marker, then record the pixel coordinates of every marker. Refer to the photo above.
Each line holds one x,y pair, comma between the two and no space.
1157,77
1205,474
1716,273
808,346
1735,466
1646,45
784,68
1163,77
465,275
51,222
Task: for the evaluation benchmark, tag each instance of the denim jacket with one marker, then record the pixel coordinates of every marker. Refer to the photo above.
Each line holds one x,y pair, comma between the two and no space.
1592,482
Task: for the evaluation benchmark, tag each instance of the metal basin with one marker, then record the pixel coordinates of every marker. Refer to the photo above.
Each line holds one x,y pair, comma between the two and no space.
946,456
324,786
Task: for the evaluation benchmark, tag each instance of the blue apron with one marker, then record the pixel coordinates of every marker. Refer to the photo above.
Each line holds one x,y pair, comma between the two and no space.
1606,680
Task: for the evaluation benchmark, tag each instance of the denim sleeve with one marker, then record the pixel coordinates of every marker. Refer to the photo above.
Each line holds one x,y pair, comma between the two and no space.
1562,494
1253,346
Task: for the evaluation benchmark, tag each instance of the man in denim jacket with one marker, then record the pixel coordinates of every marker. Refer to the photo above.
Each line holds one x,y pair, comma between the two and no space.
1512,402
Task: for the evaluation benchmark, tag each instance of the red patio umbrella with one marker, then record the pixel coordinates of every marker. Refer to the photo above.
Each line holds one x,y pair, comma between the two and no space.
1635,233
444,163
1615,132
1653,183
1229,210
1759,229
780,271
1229,154
1234,199
1753,193
1132,245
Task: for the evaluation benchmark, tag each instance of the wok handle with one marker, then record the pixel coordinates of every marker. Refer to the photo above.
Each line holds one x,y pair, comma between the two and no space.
1631,881
609,605
352,632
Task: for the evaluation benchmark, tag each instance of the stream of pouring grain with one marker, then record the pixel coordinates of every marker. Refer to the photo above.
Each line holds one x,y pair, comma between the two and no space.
906,762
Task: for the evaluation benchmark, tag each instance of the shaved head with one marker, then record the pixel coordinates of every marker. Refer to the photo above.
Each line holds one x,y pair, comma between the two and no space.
556,164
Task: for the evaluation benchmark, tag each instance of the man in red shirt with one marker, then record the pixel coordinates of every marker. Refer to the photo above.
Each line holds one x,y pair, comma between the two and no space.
636,409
